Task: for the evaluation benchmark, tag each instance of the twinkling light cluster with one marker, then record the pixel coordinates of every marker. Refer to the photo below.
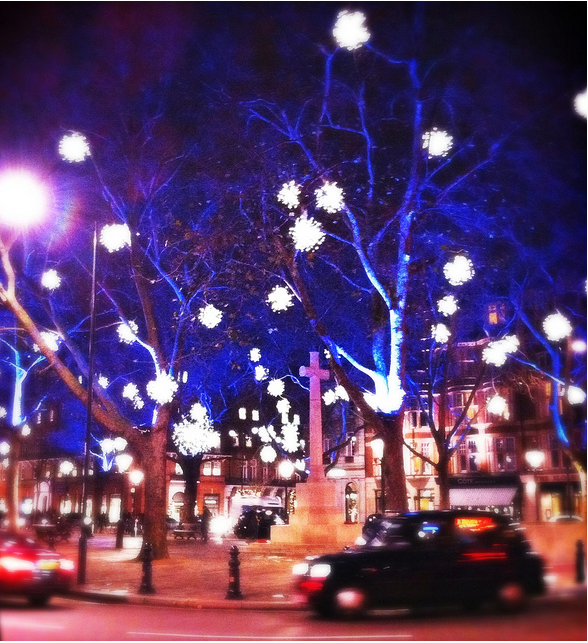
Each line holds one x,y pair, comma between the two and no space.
103,381
280,298
276,388
496,352
50,279
162,388
576,395
210,316
74,148
497,406
437,142
350,31
289,195
329,197
556,327
289,440
458,271
306,234
127,332
194,434
116,236
334,394
261,373
131,392
447,306
440,333
581,104
255,355
283,406
51,339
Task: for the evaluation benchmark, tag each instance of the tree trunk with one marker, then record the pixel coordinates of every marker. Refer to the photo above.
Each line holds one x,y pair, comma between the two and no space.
393,478
191,469
443,481
12,508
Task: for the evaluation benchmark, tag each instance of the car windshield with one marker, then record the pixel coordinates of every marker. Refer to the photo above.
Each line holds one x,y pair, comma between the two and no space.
387,532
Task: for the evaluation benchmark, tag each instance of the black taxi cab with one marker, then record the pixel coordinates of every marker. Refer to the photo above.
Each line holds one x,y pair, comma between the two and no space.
422,559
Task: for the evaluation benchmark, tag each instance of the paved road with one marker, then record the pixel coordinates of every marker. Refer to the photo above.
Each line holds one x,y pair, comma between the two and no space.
549,619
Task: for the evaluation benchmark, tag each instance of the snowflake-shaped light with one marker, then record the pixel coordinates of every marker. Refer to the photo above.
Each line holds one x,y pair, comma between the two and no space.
51,339
127,332
3,412
283,405
497,406
268,453
116,236
576,395
50,279
458,271
341,393
4,448
290,442
447,306
556,327
276,388
74,148
103,381
440,333
306,234
350,31
496,352
107,445
130,391
162,388
280,298
194,434
437,142
210,316
289,195
581,104
255,355
329,397
261,373
330,198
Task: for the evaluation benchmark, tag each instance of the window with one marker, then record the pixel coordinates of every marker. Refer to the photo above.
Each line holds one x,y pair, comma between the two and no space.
496,313
468,456
555,452
351,508
504,450
211,468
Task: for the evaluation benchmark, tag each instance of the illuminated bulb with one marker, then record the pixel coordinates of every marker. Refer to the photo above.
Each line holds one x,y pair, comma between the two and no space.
289,195
437,142
576,395
103,381
280,298
74,148
283,405
497,406
350,32
127,332
116,236
556,327
130,391
261,372
306,234
330,198
447,306
51,339
579,346
255,355
23,199
440,333
50,279
341,393
459,270
276,388
26,430
268,453
581,104
162,388
210,316
4,448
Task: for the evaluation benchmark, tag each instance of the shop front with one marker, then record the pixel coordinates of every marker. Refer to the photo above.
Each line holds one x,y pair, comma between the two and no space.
501,494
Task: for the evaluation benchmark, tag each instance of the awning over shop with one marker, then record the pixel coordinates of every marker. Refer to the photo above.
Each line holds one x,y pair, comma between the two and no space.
482,496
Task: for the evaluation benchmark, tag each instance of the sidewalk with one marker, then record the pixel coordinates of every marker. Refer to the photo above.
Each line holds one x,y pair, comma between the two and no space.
197,574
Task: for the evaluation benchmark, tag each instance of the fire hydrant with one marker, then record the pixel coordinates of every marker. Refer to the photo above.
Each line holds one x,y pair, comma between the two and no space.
147,579
234,581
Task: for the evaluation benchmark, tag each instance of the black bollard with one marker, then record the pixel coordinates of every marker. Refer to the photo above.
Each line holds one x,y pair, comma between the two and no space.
234,581
580,570
147,580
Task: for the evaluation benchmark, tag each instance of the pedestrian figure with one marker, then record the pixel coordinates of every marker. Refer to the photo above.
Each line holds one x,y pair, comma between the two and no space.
205,523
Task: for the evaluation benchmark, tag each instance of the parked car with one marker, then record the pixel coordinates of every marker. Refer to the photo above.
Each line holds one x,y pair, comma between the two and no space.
424,559
27,569
255,523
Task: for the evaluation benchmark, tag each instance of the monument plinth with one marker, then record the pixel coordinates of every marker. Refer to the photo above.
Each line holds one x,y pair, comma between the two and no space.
319,518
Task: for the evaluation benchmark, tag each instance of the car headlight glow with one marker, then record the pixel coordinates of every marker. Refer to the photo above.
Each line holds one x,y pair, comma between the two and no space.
300,569
66,564
320,570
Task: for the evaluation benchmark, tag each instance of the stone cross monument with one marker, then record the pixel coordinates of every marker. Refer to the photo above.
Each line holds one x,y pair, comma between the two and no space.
315,422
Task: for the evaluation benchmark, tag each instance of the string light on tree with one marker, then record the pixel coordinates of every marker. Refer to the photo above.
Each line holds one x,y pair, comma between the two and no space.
497,406
131,392
210,316
329,197
289,195
74,148
576,395
255,355
496,352
440,333
261,373
306,234
127,332
279,299
51,339
162,388
459,270
115,236
276,388
103,381
290,442
283,406
437,142
556,327
50,279
350,31
447,306
194,434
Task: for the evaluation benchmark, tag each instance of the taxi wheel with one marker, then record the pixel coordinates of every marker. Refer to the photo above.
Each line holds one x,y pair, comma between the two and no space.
511,597
39,600
350,602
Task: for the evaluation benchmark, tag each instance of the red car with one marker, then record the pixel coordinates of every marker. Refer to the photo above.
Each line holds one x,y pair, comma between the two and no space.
27,569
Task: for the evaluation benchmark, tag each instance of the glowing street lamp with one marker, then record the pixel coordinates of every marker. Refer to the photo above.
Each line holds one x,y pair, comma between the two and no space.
286,470
377,445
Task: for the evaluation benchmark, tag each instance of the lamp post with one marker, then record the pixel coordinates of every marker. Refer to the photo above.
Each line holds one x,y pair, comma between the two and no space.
123,462
378,451
535,459
135,478
286,469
